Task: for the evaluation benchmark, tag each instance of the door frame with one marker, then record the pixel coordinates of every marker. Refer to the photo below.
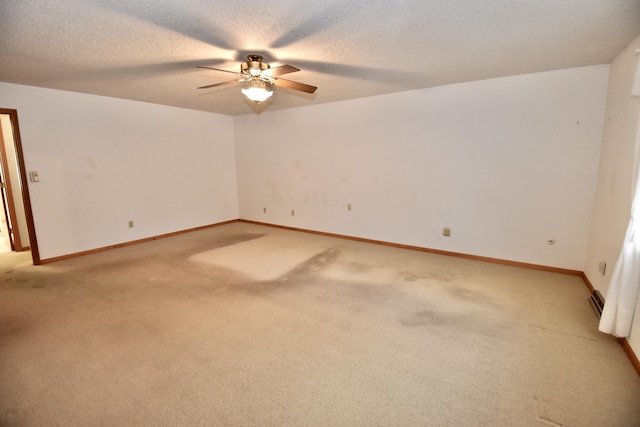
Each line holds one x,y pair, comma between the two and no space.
9,208
26,198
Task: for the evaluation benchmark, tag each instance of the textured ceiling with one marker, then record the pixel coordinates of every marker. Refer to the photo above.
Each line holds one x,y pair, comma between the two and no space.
148,50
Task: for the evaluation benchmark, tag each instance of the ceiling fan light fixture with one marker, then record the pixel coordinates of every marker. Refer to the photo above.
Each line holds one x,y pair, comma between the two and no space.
258,77
257,91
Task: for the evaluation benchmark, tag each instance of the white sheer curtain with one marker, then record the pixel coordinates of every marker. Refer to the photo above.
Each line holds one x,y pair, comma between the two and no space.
622,295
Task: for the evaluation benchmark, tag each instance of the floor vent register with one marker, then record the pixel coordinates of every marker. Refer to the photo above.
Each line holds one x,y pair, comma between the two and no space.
597,302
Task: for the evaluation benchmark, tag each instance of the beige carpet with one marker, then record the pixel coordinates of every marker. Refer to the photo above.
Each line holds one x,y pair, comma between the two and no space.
247,325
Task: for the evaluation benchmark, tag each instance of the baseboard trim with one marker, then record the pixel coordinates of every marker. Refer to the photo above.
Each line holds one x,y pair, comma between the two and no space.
133,242
424,249
587,282
323,233
630,354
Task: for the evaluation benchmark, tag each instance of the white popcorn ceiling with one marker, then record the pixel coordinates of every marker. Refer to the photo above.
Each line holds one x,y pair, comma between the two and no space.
148,50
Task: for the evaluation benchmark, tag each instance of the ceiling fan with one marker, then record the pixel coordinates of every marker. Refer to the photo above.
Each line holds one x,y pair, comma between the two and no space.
259,75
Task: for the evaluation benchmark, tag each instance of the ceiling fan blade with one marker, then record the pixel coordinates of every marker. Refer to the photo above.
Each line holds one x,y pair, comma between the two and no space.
229,82
218,69
282,69
358,71
295,85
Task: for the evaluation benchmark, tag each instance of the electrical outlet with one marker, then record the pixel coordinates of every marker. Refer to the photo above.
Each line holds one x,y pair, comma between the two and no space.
293,212
264,210
130,224
349,207
446,232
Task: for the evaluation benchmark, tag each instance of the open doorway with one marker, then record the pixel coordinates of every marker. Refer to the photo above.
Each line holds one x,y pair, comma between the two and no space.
17,230
7,237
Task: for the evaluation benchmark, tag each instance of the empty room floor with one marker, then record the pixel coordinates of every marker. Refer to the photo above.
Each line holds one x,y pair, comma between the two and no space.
244,324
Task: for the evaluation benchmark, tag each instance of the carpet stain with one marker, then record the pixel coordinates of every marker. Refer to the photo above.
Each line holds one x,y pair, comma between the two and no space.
170,258
358,267
12,327
424,318
471,296
297,277
410,277
314,264
438,277
220,242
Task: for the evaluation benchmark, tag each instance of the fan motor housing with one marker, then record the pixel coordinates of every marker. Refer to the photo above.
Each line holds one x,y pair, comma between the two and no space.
254,62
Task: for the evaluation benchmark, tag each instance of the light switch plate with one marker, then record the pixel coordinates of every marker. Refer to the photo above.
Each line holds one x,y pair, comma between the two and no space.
602,267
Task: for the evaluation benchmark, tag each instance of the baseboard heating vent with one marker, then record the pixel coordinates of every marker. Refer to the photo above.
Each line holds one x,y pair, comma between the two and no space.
597,302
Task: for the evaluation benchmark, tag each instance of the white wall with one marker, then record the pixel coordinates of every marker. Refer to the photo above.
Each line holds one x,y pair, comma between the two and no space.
105,161
615,180
507,163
